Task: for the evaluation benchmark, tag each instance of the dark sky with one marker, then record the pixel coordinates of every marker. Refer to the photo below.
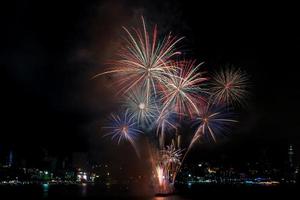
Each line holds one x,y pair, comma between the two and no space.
49,51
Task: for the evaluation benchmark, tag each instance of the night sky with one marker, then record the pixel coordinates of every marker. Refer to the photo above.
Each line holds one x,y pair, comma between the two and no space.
49,51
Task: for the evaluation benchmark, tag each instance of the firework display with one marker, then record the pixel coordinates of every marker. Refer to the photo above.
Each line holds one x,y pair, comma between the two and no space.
229,86
160,90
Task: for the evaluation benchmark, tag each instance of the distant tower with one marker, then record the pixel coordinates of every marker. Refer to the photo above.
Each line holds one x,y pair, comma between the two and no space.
10,158
292,168
291,155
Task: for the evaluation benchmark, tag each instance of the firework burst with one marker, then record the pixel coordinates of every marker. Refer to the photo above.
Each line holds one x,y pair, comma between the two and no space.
229,86
171,155
143,60
143,110
212,121
183,90
165,163
123,128
166,122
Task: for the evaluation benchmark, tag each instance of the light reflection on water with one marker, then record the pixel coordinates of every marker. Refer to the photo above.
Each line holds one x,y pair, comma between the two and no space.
75,191
83,193
83,189
45,190
173,197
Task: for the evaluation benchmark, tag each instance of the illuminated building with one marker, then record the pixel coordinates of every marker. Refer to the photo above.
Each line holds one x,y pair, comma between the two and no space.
292,169
291,154
82,177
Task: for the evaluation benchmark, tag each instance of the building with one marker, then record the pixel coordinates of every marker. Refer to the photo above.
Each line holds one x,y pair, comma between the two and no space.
291,155
291,168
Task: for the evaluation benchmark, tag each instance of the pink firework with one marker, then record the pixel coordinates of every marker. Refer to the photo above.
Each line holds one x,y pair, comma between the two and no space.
183,89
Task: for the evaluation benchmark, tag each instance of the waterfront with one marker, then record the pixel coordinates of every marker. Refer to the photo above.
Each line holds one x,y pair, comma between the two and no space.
122,192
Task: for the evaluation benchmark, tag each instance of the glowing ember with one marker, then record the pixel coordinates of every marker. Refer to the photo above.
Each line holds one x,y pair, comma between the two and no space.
160,175
142,106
